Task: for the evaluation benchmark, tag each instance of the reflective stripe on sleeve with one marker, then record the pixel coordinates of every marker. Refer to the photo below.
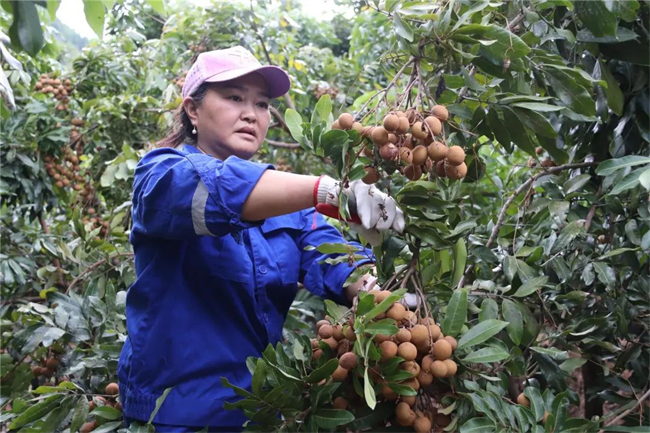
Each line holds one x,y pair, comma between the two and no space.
198,209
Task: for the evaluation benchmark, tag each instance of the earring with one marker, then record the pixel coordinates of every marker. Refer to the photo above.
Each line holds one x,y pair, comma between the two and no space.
194,130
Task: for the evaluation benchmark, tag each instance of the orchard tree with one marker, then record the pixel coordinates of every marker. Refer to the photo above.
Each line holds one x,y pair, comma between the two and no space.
514,136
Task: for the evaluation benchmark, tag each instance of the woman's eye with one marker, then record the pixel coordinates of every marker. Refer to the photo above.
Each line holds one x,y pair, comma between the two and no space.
263,105
234,98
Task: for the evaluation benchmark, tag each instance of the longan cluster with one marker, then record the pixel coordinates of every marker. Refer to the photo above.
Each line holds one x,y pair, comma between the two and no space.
65,173
60,89
425,351
46,368
198,48
409,138
281,165
325,90
112,390
180,81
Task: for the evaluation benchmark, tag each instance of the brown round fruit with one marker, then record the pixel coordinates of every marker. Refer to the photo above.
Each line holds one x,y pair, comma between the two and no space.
456,155
316,354
422,425
404,413
388,393
337,332
379,135
539,150
437,151
426,363
419,335
392,138
440,112
372,176
331,342
326,331
357,127
442,349
408,351
418,131
88,427
340,374
438,369
391,122
440,169
321,323
434,124
388,151
405,154
112,389
456,172
413,172
340,403
404,125
419,155
452,368
348,360
442,420
366,130
336,125
388,350
452,341
52,363
396,312
411,366
410,400
602,239
346,120
403,336
348,331
425,378
523,400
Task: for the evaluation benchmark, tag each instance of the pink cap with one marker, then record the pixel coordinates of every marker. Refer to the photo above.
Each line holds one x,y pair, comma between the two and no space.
223,65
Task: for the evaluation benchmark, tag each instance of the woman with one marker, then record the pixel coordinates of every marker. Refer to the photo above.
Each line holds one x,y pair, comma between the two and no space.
219,246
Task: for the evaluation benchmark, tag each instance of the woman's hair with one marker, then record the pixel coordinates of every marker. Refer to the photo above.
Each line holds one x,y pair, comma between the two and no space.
181,129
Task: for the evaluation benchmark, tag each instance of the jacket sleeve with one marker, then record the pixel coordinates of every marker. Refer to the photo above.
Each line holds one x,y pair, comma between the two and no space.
177,195
322,279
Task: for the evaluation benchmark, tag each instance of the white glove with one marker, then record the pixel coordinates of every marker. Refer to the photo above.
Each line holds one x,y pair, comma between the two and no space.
377,211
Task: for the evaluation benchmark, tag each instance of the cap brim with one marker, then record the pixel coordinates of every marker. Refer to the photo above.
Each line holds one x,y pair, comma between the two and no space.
277,79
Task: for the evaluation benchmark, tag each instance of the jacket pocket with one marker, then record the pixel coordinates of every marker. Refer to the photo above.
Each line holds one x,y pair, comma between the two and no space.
281,234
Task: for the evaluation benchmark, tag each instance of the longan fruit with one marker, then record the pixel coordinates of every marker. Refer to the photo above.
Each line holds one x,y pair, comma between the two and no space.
59,184
91,211
539,150
357,127
112,388
405,154
425,378
348,360
410,399
422,425
388,393
420,154
408,351
437,151
340,374
426,363
346,120
326,331
381,296
380,338
413,172
392,138
523,400
372,176
438,369
440,169
366,130
349,333
388,350
52,363
396,312
89,426
340,403
455,155
388,151
442,349
391,122
418,131
442,420
331,342
441,112
435,332
404,413
602,239
452,341
456,172
411,366
379,135
403,336
452,368
410,319
434,124
316,354
37,370
337,332
118,406
404,125
419,334
413,383
321,323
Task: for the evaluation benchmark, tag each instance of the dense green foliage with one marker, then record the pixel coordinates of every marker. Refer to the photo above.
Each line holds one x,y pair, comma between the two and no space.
538,259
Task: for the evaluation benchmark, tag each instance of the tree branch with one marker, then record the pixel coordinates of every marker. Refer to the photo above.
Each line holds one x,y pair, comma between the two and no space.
283,144
92,267
504,209
629,411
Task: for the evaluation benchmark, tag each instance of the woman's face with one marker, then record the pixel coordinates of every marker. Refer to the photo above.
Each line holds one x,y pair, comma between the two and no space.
233,118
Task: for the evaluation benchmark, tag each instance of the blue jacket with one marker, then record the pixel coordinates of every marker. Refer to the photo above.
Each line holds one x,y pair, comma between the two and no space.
211,289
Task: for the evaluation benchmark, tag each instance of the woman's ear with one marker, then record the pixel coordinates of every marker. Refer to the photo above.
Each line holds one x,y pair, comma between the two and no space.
191,108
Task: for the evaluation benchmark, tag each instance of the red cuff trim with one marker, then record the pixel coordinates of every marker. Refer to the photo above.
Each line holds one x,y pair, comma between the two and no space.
316,189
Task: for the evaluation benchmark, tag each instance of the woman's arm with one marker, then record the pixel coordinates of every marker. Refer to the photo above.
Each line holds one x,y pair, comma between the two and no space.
279,193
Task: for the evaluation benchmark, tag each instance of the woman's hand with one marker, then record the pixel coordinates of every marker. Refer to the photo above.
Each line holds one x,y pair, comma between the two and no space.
377,211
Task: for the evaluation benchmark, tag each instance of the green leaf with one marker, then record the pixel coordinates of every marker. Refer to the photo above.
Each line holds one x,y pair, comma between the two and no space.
107,412
25,30
554,353
159,401
536,402
625,9
507,44
322,110
322,372
644,179
95,11
35,412
518,133
572,94
403,28
487,354
259,376
536,123
530,286
537,106
294,123
158,6
368,390
572,363
628,182
498,128
108,427
478,425
619,428
386,328
384,305
611,165
331,418
605,274
404,390
595,16
460,259
456,313
52,7
615,98
575,183
615,252
481,333
334,310
489,310
512,315
80,414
